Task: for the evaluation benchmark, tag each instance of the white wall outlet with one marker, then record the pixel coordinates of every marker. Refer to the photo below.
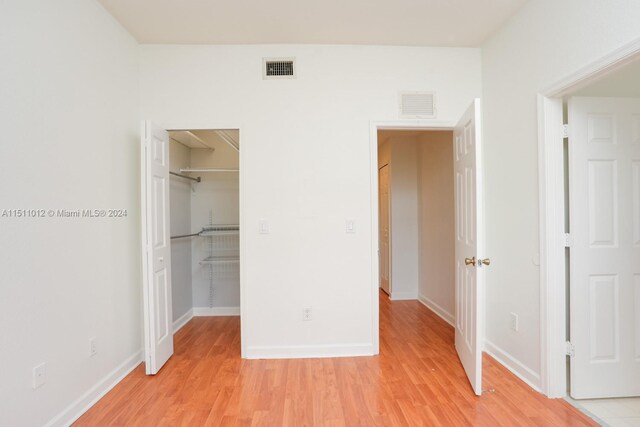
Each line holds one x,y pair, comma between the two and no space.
351,226
39,375
307,314
93,347
263,226
513,321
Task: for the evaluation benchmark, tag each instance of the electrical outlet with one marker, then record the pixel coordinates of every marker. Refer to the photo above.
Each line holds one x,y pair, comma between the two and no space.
263,226
307,314
39,375
514,321
93,347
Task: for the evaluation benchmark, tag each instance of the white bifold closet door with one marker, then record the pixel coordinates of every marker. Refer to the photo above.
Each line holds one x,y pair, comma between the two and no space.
156,247
468,244
604,177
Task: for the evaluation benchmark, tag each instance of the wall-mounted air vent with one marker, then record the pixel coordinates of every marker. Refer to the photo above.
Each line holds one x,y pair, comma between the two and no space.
279,68
417,105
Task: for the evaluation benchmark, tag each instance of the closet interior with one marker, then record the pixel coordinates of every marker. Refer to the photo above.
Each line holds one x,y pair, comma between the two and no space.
204,212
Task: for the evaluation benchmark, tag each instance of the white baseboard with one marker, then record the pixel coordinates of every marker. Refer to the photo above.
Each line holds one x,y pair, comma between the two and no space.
182,320
309,351
95,393
441,312
515,366
216,311
402,296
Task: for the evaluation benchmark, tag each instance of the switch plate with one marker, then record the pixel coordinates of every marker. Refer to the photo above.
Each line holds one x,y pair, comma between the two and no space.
263,226
307,314
39,375
93,347
350,226
514,321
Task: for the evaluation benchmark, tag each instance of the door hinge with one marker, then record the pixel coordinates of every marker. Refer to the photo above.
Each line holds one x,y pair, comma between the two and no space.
567,240
571,350
565,131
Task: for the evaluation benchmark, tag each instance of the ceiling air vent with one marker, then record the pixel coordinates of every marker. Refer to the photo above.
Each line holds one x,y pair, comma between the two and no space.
279,68
417,105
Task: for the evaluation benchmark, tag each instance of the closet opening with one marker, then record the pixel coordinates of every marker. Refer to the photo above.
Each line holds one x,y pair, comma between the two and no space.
204,211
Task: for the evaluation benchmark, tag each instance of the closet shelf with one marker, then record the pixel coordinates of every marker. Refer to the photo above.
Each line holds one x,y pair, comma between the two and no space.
220,259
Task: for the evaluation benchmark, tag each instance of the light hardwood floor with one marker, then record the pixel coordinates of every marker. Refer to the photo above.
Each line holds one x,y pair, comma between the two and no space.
416,380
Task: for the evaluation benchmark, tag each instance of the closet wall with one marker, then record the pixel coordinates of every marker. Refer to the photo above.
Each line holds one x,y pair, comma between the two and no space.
204,288
216,199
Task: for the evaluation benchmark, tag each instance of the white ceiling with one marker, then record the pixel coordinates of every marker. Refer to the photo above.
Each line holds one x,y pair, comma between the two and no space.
377,22
212,139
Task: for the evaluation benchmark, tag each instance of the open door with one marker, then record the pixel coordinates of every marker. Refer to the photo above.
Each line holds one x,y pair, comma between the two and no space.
604,179
156,249
469,286
385,221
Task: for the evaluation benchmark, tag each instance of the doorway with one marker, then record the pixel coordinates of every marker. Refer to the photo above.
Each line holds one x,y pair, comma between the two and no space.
468,263
595,315
191,239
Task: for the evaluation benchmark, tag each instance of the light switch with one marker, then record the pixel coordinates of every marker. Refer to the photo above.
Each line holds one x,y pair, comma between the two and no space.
351,226
263,227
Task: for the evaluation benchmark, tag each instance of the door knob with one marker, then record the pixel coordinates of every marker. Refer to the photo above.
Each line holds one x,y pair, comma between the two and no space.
485,261
470,261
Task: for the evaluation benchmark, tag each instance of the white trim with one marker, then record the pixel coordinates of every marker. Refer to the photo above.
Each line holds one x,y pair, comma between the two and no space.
182,320
594,71
403,296
309,351
216,311
81,405
374,126
439,311
551,195
530,377
552,229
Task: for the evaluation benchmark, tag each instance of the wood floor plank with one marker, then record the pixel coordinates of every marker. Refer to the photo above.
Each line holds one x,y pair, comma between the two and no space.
417,380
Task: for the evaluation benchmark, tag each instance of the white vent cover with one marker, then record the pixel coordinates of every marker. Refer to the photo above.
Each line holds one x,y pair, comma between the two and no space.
417,105
278,68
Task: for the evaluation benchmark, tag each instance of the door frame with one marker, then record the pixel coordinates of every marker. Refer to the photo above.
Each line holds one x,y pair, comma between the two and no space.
374,127
171,125
553,311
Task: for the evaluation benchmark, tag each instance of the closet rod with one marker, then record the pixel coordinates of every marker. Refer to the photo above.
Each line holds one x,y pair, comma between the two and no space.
184,235
201,170
185,176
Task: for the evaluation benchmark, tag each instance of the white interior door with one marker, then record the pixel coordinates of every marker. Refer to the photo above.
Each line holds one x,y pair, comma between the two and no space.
604,179
156,249
469,288
383,182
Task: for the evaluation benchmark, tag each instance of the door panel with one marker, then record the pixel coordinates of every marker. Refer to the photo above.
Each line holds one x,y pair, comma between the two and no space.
468,336
156,251
385,221
605,255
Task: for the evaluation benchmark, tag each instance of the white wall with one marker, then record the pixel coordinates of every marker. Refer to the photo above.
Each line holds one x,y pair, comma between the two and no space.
542,43
69,119
404,217
436,222
180,212
306,169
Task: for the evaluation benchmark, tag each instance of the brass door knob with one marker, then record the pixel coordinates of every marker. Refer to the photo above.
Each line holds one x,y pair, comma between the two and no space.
470,261
485,261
